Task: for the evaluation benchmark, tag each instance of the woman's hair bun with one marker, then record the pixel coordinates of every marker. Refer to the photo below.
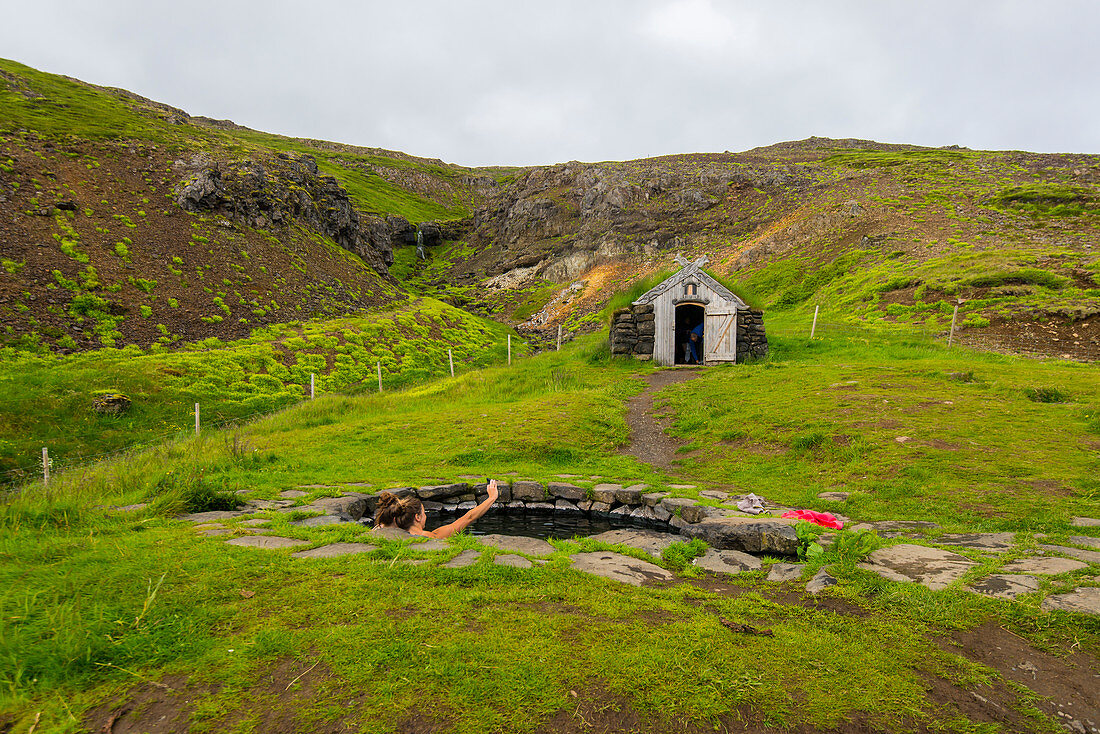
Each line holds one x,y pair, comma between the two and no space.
387,499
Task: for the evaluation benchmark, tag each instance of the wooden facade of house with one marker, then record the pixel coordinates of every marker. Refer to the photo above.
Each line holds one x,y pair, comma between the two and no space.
657,325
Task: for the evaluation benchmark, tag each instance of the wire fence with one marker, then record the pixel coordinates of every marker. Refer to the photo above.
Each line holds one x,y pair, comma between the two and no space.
1026,338
37,472
1022,338
47,468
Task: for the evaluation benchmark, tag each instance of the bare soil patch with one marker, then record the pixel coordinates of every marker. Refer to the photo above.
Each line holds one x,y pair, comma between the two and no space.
1070,685
649,441
1060,337
942,445
162,707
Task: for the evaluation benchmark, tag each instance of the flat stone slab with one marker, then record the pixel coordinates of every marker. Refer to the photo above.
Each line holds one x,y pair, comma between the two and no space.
681,486
463,559
211,515
883,527
348,504
727,561
1045,565
291,494
215,532
821,581
652,542
512,560
267,504
391,533
1086,600
620,568
1086,522
1084,555
934,568
431,545
785,571
517,544
833,496
993,542
267,541
332,550
130,508
320,521
1075,539
255,522
1006,585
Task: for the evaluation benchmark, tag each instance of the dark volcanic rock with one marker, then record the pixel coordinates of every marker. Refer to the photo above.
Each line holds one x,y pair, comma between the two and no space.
760,536
285,190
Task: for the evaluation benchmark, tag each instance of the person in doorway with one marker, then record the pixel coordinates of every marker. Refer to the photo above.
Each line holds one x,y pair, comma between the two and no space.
408,514
695,344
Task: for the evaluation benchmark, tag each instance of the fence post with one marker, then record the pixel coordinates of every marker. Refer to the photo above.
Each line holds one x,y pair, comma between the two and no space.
379,377
814,327
45,467
451,361
951,335
196,419
312,390
509,349
559,337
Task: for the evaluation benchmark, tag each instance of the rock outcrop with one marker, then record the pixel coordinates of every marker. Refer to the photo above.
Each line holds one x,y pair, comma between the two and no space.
287,190
565,219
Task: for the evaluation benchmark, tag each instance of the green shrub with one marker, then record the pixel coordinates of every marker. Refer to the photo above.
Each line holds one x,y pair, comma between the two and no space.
1024,276
679,556
1048,200
1046,395
143,284
808,547
808,441
848,547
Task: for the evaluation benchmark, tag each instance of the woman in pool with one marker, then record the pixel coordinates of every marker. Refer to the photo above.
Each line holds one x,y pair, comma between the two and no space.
408,514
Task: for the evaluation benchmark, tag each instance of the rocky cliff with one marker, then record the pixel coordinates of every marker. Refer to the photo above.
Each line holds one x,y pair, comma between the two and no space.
284,190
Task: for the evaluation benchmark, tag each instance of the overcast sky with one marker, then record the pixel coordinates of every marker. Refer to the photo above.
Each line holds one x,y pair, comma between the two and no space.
484,82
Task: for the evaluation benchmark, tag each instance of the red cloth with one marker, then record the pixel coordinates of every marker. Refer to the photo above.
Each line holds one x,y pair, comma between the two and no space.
817,518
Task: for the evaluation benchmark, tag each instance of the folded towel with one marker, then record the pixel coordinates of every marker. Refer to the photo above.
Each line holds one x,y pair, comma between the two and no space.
751,504
817,518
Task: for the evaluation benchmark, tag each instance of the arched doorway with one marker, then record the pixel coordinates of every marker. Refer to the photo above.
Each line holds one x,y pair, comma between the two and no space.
688,316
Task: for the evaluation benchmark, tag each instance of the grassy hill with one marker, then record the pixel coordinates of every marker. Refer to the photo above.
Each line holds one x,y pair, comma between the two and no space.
96,251
126,603
109,285
48,400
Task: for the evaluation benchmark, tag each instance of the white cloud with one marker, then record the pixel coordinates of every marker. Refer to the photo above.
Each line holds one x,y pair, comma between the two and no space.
694,27
515,113
486,82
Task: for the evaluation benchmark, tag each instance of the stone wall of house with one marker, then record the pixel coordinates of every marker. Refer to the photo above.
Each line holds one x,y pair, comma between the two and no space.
632,331
752,342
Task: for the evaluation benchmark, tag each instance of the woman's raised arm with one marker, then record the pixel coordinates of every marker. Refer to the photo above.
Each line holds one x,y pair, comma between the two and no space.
467,519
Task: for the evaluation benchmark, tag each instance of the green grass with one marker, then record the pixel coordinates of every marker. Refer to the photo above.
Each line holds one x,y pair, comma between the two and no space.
46,400
57,107
887,159
1048,200
881,419
94,603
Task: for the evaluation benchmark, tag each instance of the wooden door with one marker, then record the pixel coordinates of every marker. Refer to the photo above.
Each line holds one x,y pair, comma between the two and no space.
720,337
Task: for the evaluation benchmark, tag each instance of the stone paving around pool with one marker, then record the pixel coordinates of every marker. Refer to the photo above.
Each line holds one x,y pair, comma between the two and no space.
736,540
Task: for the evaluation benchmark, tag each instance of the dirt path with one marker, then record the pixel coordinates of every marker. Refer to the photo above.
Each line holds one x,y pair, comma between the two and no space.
649,442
